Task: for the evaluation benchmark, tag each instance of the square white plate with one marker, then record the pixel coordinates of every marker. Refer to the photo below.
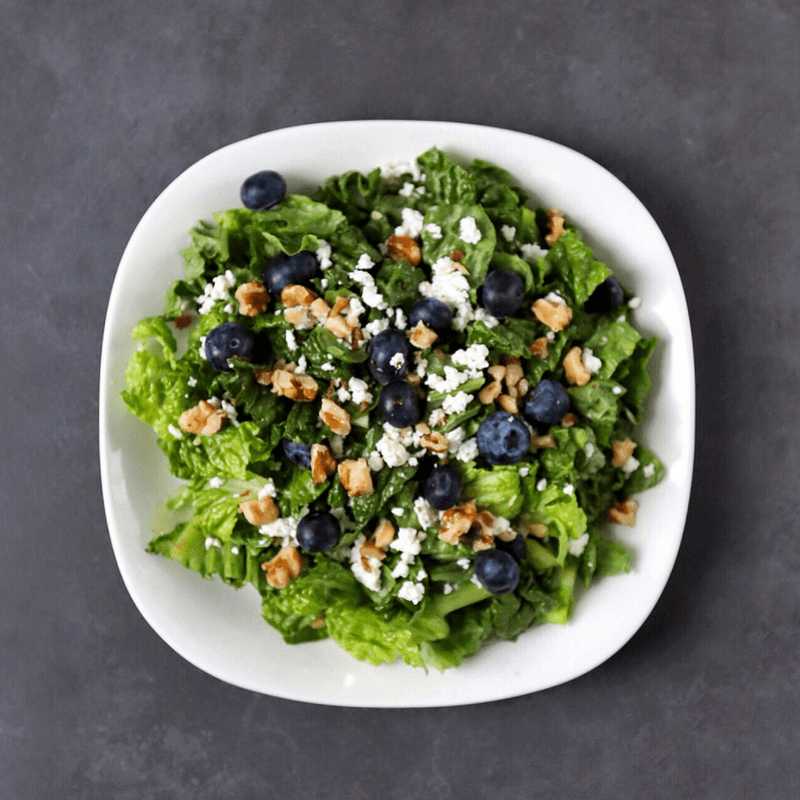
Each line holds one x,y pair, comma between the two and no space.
221,630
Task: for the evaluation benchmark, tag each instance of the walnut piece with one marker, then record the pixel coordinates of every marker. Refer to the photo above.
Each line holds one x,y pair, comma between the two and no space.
384,533
623,513
575,369
456,522
320,309
403,247
514,373
260,512
356,477
339,305
335,417
554,315
622,451
569,420
490,392
422,336
539,347
371,550
203,419
508,403
299,316
543,442
338,326
555,220
323,464
252,298
296,295
435,442
299,387
284,568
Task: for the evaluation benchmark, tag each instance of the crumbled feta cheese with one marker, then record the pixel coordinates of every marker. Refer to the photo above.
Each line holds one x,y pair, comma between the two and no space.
368,574
359,391
392,171
400,319
369,291
411,224
591,361
407,189
468,451
302,365
426,515
569,489
234,551
230,410
577,546
268,490
456,403
509,232
523,471
355,309
616,390
192,380
175,431
397,360
451,287
532,252
408,543
649,470
555,298
218,289
482,315
398,511
202,351
541,485
413,592
474,358
468,230
323,254
291,341
327,367
634,302
433,230
212,541
449,383
393,452
589,449
455,439
436,417
447,588
464,563
375,462
283,529
374,328
215,483
631,465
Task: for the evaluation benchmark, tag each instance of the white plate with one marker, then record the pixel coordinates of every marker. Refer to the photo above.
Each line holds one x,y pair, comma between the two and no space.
221,630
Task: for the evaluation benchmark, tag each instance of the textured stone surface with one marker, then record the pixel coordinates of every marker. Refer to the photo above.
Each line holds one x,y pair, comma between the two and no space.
698,111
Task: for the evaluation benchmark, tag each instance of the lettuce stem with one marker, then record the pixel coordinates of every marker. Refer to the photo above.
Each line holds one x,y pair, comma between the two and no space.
463,596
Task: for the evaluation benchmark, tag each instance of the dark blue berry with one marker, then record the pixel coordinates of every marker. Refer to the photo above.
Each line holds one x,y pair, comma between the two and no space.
263,190
516,547
546,403
383,349
497,571
399,404
438,316
503,293
225,341
443,487
503,438
606,297
297,452
286,270
317,531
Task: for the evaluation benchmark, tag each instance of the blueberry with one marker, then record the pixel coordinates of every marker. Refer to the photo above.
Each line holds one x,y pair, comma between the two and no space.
503,293
516,547
503,438
285,270
399,404
317,531
606,297
384,350
438,316
225,341
297,452
443,487
263,190
546,403
497,571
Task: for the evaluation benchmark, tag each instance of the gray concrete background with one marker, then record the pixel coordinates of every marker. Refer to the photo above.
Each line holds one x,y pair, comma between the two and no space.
695,106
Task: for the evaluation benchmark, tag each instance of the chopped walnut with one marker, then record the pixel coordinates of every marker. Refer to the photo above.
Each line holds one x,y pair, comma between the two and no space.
554,315
569,420
384,533
339,305
338,326
456,255
422,427
543,442
403,247
537,529
456,522
575,369
514,373
203,419
555,220
323,464
422,336
508,403
622,451
284,568
539,347
371,550
299,316
435,442
320,309
484,522
296,295
335,417
522,387
356,477
299,387
252,298
497,371
623,513
260,512
318,623
490,392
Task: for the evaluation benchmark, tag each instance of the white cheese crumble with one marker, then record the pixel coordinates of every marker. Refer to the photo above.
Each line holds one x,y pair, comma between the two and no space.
433,230
359,391
176,432
591,361
411,224
398,511
367,569
631,465
323,254
509,232
555,298
589,449
577,546
450,286
392,171
616,390
397,360
634,302
215,483
426,514
456,403
407,189
437,417
284,529
267,490
369,291
375,462
523,471
468,230
649,470
541,485
408,543
192,380
230,410
218,289
464,563
474,358
569,489
468,451
413,592
532,252
374,328
291,340
212,541
400,319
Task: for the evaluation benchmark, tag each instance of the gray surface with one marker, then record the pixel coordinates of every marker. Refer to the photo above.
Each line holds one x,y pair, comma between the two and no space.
697,111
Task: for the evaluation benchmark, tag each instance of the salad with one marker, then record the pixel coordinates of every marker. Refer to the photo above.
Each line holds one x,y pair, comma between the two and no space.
404,410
